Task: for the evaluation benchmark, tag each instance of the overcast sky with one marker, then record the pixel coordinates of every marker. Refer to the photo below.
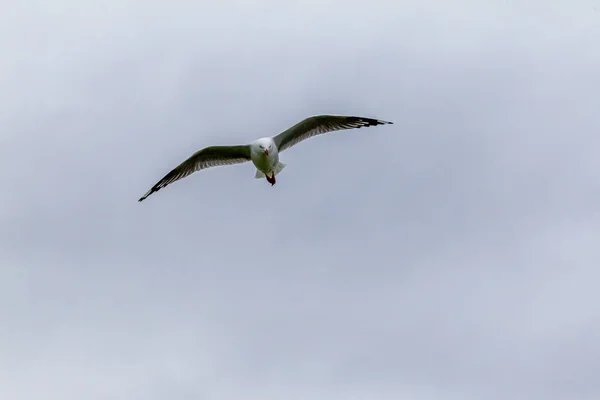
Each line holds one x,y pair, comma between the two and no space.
452,255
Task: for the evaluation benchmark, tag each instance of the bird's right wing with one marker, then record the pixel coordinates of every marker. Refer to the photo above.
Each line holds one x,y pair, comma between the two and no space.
320,124
211,156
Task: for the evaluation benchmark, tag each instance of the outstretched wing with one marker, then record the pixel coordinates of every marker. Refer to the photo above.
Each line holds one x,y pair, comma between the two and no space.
211,156
320,124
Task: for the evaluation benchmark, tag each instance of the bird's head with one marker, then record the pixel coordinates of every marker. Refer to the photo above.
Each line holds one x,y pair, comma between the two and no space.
264,145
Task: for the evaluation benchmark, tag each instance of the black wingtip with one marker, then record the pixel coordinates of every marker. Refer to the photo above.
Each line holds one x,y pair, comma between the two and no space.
147,194
371,121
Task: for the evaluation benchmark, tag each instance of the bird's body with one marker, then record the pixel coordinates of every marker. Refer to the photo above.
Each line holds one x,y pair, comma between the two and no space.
265,157
263,152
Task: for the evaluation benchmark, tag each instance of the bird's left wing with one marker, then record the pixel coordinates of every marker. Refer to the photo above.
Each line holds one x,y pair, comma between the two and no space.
320,124
211,156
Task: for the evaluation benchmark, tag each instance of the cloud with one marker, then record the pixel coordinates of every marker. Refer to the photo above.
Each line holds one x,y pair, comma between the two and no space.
449,256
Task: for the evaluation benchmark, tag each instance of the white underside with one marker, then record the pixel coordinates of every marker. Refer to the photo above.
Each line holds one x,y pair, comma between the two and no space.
266,163
259,174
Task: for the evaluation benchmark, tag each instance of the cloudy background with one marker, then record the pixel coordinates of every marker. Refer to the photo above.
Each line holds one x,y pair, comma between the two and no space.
452,255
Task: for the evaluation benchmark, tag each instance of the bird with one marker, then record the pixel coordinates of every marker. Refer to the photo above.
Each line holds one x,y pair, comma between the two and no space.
263,152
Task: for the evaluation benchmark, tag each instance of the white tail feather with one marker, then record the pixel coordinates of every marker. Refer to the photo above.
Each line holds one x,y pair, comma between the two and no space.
259,174
280,166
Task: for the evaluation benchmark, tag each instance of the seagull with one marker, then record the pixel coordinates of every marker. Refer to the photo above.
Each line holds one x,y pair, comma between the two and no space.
263,152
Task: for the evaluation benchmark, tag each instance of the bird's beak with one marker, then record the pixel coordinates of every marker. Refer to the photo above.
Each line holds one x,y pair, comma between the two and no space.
267,152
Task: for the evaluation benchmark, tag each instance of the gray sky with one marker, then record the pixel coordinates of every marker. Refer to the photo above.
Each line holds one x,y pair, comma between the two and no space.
452,255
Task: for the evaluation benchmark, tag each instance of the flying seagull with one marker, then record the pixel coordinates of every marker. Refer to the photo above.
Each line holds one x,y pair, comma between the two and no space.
264,152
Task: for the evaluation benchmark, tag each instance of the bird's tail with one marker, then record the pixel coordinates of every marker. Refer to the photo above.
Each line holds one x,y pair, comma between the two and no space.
259,174
279,167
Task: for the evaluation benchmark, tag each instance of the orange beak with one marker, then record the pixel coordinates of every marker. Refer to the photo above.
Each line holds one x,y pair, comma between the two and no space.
267,152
